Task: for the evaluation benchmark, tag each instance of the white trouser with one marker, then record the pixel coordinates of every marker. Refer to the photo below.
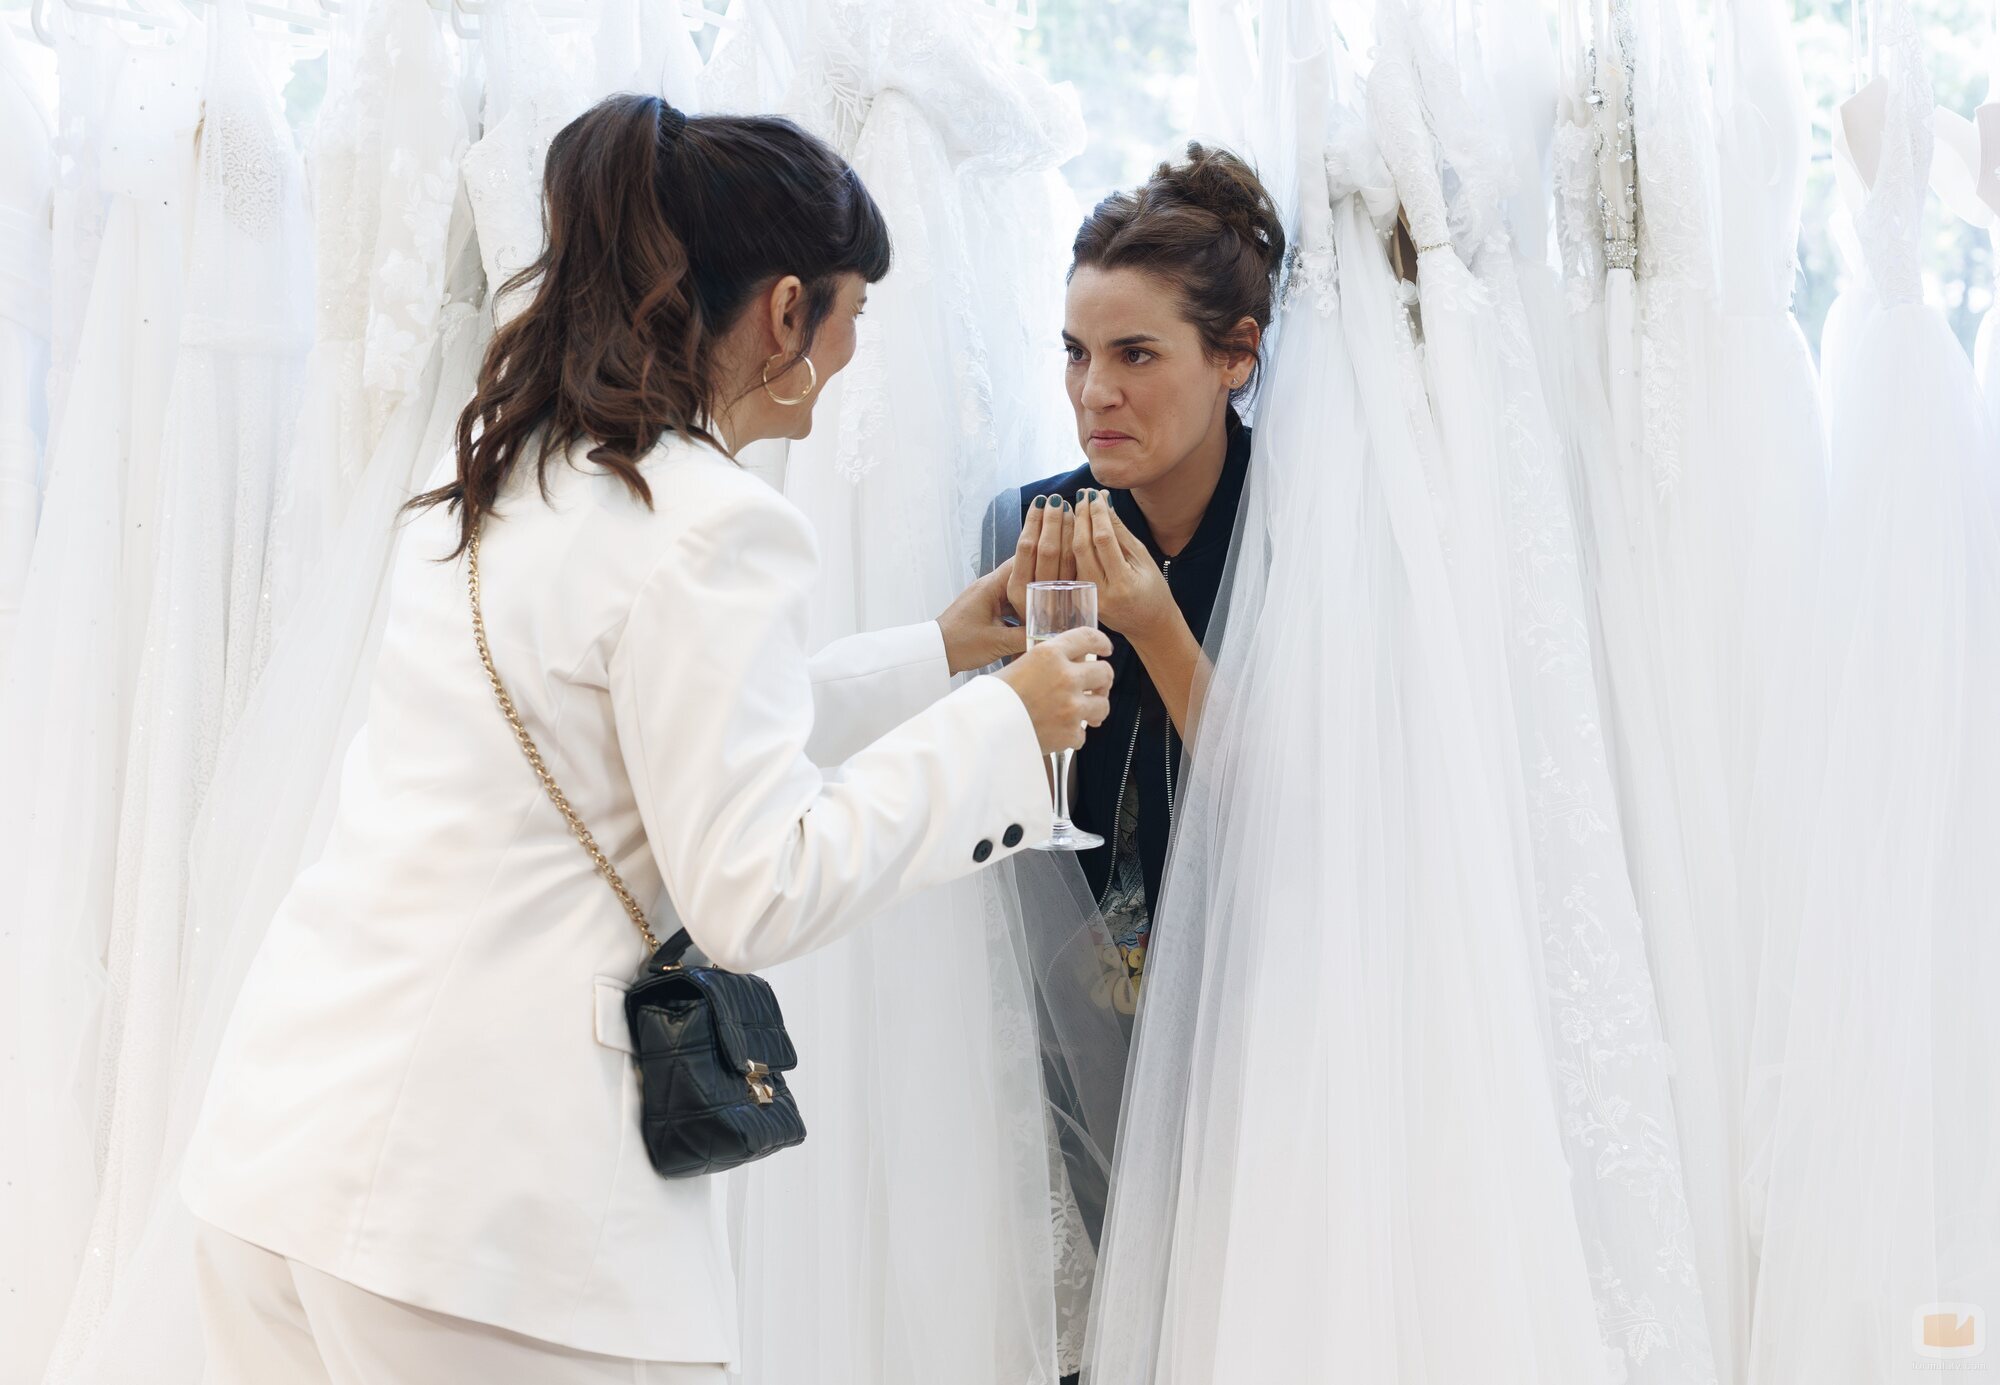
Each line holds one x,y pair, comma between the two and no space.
272,1321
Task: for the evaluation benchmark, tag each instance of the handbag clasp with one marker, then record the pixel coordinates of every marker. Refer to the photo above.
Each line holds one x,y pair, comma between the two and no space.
760,1085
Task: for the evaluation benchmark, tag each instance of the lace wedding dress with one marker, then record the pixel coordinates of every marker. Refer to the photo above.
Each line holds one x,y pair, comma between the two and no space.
226,434
27,189
1595,400
270,797
1686,539
1881,1215
385,172
1495,427
1661,494
66,704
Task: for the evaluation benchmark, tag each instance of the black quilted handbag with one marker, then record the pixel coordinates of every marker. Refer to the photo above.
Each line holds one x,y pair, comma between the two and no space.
713,1054
710,1045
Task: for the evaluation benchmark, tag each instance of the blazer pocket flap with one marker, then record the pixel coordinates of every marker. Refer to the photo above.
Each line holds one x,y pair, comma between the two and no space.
612,1030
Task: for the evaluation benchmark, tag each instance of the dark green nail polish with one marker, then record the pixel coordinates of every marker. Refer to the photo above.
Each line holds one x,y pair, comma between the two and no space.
1041,501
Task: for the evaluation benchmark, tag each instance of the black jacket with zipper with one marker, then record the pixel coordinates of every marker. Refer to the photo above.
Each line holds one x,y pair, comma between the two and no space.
1138,738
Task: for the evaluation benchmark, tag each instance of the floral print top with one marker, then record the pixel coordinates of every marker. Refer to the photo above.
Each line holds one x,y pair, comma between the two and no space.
1127,913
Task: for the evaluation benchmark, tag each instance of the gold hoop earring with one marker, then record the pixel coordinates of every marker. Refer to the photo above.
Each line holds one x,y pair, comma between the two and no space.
812,382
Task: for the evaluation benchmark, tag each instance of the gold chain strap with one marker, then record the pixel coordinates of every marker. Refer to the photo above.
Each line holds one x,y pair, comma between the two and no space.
528,748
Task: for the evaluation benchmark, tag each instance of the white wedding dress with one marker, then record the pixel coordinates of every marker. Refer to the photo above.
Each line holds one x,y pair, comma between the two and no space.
1595,398
1770,457
1766,395
226,436
65,706
1609,1063
1881,1219
1658,499
1341,1155
270,798
27,191
1773,442
272,795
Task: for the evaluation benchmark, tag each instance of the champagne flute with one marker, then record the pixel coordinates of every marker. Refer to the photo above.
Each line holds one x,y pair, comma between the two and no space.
1054,607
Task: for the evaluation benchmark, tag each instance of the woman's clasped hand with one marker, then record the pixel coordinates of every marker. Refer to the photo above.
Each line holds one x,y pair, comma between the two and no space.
1087,542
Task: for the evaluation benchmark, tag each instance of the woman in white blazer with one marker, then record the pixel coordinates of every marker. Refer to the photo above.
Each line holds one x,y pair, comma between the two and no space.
419,1159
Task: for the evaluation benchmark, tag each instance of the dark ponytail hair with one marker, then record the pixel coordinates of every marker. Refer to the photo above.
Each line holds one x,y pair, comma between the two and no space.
660,230
1208,227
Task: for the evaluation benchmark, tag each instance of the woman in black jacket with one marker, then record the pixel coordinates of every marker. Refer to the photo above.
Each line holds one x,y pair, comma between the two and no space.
1169,296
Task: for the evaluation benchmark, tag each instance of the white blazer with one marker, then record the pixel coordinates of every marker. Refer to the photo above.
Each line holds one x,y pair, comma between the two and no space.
426,1088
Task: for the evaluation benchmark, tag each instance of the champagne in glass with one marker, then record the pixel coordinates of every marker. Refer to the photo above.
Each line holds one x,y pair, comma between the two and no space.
1054,607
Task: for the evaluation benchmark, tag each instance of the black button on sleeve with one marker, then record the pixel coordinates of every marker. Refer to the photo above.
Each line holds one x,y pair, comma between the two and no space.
982,851
1011,838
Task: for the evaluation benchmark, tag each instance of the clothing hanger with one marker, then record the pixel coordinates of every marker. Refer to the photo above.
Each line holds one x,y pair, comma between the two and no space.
698,17
1986,117
314,22
1961,170
1965,173
166,25
1022,14
557,16
444,10
562,16
1861,117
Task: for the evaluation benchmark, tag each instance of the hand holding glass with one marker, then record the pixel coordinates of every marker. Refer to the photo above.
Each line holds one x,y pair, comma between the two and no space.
1055,607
